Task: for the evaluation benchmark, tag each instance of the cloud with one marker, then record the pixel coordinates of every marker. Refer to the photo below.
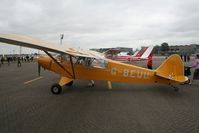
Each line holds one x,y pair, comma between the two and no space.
104,23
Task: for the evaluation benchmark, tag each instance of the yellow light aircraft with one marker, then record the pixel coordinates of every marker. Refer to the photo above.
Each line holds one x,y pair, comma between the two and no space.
89,65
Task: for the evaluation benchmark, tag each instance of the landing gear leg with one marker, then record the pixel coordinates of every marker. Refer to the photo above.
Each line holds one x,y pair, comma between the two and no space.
69,84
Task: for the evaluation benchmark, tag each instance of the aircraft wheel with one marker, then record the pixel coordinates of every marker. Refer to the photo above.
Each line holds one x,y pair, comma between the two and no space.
91,85
70,83
56,88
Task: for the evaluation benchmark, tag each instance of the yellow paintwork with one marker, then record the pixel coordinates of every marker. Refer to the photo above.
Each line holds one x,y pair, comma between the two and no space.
172,68
64,80
171,71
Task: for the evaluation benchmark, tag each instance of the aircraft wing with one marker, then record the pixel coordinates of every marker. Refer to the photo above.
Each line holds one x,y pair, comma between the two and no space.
29,42
112,51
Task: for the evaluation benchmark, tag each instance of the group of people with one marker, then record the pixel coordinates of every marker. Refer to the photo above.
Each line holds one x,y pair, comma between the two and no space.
185,58
18,59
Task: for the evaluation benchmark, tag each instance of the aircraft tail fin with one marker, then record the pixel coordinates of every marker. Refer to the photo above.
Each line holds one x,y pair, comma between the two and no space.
140,53
147,52
173,69
135,53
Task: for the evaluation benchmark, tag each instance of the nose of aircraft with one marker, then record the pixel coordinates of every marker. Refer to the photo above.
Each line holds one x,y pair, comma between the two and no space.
45,62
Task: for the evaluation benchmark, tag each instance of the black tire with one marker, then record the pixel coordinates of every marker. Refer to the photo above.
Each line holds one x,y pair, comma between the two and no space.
56,88
70,83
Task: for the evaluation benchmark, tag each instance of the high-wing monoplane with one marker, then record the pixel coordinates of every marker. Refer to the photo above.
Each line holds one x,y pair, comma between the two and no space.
89,65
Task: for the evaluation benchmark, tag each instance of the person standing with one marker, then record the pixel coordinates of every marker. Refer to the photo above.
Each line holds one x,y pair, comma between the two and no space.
149,64
18,62
181,57
196,72
8,60
188,58
2,60
88,62
185,58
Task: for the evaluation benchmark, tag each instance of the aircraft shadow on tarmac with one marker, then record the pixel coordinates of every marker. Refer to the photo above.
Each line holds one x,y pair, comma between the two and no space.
130,88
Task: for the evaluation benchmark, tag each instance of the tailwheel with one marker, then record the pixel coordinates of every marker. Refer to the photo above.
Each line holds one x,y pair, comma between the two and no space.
70,83
188,81
56,88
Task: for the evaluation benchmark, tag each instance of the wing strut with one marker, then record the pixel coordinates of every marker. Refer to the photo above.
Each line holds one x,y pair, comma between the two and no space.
58,63
71,61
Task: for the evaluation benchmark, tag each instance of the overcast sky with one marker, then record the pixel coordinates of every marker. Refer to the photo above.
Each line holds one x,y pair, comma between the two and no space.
102,23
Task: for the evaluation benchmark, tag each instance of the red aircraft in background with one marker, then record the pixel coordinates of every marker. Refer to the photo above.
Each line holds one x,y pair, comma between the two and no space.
116,54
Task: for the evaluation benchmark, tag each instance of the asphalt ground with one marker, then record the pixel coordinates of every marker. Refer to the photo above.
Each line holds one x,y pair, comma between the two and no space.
127,108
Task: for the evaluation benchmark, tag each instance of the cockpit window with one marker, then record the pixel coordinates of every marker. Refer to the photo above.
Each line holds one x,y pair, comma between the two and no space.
91,62
65,57
100,63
